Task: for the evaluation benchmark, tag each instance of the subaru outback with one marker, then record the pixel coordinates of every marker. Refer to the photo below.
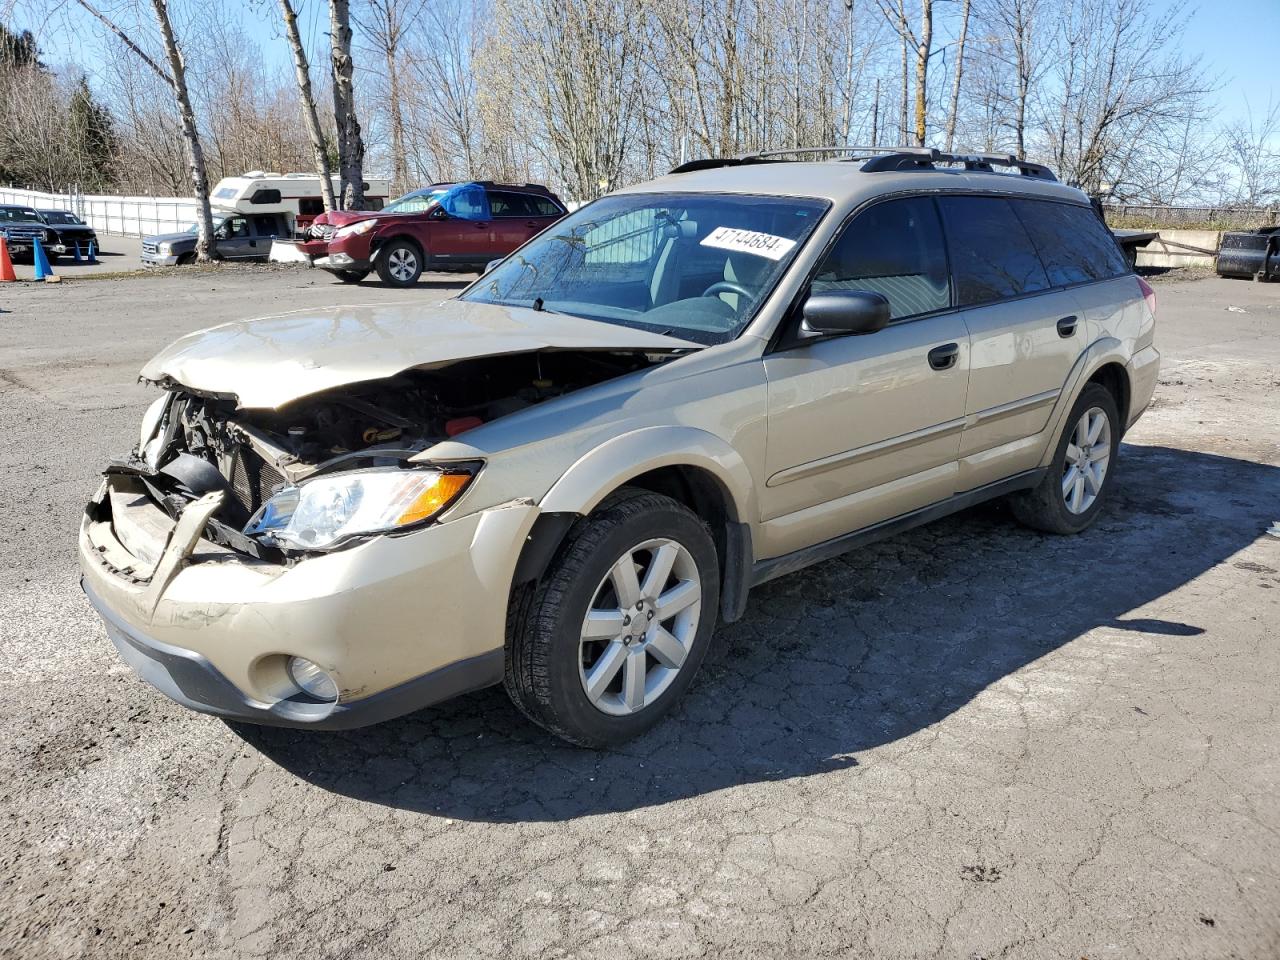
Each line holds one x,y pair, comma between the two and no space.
561,478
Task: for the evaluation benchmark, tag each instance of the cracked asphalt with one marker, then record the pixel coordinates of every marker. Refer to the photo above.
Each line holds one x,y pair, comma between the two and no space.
968,741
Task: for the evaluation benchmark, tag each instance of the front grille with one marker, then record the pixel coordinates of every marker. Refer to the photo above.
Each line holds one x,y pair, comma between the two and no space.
24,233
322,231
149,248
253,480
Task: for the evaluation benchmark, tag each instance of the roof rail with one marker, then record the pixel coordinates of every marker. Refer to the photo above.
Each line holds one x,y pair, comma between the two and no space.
882,159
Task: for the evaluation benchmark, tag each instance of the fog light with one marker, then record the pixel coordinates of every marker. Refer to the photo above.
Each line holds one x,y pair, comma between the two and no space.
311,679
340,258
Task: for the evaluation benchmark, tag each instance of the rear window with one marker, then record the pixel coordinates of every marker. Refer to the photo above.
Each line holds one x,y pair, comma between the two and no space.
992,256
1073,243
895,249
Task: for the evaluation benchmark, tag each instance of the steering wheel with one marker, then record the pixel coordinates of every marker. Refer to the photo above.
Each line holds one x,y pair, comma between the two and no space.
727,286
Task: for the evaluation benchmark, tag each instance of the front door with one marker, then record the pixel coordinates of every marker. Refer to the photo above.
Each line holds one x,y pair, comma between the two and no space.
865,428
462,231
234,238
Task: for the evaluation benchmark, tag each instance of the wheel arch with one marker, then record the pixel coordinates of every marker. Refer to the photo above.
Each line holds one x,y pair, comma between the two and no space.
1102,362
691,466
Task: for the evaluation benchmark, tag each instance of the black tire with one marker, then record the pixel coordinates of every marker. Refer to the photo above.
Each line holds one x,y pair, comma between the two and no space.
1045,507
186,259
351,276
544,622
400,263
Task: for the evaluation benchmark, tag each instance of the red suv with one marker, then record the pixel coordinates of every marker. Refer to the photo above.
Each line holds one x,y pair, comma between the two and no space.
444,226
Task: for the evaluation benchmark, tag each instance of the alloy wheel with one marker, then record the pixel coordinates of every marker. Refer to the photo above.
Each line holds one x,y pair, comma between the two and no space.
639,627
1088,454
402,264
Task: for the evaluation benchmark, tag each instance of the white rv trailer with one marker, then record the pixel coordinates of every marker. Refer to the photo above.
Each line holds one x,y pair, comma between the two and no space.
296,195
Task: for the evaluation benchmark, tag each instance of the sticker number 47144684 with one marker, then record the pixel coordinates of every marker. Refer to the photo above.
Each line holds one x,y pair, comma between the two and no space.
748,241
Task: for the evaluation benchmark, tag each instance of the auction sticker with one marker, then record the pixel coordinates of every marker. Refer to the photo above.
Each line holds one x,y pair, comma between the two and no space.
748,241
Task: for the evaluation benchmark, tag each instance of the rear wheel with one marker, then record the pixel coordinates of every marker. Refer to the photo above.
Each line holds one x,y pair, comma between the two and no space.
613,635
351,276
400,263
1069,497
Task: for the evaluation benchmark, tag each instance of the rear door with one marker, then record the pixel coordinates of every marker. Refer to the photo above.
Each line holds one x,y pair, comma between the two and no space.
1026,336
266,227
518,216
865,428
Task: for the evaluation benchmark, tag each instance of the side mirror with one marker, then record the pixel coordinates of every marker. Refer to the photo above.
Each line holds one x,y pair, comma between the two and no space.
841,312
439,214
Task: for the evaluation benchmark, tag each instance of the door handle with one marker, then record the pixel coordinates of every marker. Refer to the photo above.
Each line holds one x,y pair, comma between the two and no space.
530,224
944,357
1067,326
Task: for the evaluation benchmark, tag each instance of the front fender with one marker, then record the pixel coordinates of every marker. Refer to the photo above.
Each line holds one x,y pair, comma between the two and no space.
605,468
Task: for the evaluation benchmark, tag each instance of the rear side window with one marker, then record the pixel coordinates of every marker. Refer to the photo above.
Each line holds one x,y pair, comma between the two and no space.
1073,243
894,248
992,256
544,207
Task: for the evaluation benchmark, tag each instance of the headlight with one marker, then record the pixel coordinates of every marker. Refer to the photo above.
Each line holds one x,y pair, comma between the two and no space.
165,249
148,440
355,229
318,513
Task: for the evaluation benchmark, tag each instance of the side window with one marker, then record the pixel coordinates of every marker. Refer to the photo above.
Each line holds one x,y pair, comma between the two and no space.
504,204
894,248
467,202
1073,243
235,227
543,207
266,225
992,257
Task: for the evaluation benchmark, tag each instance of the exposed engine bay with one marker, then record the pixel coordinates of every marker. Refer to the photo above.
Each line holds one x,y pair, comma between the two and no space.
205,443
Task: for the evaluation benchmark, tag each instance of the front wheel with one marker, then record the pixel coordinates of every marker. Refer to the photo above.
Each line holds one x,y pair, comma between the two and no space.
1072,492
613,635
351,276
400,264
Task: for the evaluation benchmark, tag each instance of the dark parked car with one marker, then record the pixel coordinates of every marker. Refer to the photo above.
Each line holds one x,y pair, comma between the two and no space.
1250,253
443,226
237,236
66,232
20,226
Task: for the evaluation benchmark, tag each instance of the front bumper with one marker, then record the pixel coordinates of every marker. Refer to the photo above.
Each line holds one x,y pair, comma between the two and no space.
341,262
399,622
156,260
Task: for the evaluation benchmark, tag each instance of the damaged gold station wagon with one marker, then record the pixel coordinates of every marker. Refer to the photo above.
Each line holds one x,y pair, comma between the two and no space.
560,479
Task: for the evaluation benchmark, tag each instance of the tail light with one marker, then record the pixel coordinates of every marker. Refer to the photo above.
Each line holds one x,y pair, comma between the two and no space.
1148,294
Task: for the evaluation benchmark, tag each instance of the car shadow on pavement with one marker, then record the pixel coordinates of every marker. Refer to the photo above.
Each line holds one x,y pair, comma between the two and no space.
848,655
426,281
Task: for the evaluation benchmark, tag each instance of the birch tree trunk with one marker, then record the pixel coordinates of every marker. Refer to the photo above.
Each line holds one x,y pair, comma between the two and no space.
955,81
176,79
922,68
302,71
350,141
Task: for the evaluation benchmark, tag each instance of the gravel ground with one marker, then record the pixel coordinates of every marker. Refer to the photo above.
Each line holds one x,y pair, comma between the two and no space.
969,741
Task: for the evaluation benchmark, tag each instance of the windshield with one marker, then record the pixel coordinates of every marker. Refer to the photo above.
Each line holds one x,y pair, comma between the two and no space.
417,201
61,216
19,215
195,227
693,265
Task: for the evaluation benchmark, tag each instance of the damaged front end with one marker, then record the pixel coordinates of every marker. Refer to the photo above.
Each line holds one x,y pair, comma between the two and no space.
334,468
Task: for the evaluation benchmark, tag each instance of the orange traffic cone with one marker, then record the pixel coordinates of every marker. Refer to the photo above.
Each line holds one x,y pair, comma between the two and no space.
6,265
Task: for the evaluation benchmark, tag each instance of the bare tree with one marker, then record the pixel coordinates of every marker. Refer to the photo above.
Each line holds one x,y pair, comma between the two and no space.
1251,145
954,110
385,26
350,140
922,43
176,78
302,73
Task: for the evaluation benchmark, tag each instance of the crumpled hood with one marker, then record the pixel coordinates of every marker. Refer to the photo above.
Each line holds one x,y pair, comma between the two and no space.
270,361
340,218
170,237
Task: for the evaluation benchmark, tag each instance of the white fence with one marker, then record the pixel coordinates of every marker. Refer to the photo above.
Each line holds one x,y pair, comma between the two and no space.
130,216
